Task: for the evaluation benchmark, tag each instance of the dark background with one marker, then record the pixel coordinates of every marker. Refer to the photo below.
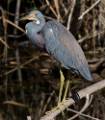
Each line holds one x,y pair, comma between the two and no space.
29,76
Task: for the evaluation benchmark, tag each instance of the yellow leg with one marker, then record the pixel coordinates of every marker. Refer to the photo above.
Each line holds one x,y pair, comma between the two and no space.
62,79
66,89
61,86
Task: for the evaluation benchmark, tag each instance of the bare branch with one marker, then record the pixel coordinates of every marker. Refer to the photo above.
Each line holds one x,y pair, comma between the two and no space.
82,93
89,9
70,15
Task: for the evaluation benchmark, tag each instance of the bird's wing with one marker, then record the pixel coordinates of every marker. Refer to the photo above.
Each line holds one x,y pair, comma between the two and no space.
63,46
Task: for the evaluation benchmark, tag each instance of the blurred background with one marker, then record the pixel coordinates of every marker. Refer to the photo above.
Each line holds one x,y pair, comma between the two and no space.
29,77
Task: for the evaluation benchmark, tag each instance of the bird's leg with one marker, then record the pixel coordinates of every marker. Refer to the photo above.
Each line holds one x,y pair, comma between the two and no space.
62,79
66,89
61,86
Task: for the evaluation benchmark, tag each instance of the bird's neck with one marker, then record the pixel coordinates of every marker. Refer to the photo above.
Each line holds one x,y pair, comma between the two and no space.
40,26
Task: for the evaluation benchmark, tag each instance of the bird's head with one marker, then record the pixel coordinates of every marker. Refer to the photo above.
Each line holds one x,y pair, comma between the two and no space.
35,16
34,27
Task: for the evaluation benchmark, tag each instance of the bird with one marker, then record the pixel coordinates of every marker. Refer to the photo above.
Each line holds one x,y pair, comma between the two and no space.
58,42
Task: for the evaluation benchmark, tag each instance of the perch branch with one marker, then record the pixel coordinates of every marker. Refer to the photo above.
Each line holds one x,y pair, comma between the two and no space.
82,93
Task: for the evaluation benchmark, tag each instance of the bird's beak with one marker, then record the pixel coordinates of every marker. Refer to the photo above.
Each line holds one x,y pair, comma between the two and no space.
31,17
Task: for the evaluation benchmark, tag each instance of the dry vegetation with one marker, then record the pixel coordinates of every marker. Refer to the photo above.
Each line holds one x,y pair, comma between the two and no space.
29,84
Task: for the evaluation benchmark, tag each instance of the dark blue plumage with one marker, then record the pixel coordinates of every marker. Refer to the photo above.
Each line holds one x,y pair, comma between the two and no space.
58,42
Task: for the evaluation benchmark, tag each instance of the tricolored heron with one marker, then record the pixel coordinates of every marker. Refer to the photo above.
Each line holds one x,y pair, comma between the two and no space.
58,42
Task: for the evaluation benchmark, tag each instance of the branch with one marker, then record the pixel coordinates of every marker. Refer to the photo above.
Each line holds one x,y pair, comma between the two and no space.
4,43
17,54
82,93
89,9
51,8
70,15
82,114
86,105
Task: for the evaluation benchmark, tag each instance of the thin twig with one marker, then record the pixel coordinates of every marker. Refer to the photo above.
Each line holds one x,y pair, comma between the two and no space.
14,103
14,25
89,9
48,101
86,105
82,93
82,114
3,42
51,8
5,52
90,36
57,9
20,66
70,15
94,31
18,3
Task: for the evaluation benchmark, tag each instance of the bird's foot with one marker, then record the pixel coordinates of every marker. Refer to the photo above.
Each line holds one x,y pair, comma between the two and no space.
58,107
